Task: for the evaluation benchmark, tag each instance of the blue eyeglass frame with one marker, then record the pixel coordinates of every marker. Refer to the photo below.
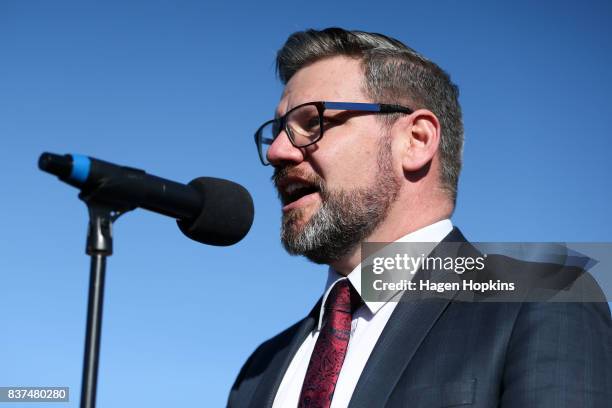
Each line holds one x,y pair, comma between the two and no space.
381,108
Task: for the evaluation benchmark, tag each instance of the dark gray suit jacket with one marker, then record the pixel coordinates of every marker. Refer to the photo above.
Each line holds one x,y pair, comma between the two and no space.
448,353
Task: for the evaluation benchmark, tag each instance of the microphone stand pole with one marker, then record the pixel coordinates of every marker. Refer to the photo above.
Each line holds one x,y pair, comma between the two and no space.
99,246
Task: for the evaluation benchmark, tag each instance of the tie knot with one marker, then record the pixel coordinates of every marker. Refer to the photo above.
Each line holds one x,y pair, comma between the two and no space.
343,297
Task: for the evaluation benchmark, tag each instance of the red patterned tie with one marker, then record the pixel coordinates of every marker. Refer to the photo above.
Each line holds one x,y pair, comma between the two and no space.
330,349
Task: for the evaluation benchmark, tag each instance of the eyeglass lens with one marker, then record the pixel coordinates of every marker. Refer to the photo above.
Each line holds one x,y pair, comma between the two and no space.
303,125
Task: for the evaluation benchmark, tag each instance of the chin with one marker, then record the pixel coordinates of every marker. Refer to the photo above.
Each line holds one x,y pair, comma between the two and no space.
295,220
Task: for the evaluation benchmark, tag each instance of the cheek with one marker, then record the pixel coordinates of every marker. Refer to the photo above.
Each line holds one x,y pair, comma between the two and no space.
350,165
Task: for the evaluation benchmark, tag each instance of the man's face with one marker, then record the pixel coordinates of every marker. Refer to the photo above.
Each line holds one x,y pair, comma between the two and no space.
336,192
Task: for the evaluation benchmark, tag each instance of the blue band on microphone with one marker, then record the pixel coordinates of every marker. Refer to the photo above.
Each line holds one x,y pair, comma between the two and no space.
80,168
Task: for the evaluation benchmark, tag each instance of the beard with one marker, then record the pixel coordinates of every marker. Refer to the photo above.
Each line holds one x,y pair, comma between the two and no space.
346,217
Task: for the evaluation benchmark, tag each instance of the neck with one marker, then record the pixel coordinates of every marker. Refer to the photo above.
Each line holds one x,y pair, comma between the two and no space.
390,230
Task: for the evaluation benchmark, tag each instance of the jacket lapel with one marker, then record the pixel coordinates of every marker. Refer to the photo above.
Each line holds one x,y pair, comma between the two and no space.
279,362
407,327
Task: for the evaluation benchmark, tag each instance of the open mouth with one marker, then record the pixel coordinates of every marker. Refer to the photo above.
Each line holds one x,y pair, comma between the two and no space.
294,191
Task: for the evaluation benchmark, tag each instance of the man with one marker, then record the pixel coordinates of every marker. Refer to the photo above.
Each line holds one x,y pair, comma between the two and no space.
366,147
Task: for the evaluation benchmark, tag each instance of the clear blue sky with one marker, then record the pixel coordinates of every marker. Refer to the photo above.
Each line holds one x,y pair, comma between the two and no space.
177,88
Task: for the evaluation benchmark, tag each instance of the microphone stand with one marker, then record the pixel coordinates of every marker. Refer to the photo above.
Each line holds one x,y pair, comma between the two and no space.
99,246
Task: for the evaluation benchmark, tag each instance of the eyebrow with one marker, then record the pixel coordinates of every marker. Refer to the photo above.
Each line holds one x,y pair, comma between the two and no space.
278,108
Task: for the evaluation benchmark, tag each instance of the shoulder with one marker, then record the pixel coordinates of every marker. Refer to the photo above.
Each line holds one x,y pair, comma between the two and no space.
560,351
258,362
276,343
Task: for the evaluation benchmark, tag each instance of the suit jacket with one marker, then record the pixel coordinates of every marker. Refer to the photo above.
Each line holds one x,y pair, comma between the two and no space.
442,352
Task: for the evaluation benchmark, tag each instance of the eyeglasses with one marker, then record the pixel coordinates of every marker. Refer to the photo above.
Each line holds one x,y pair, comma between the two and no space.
305,123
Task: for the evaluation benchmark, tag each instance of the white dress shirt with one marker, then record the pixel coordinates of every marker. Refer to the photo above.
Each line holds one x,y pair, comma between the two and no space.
367,325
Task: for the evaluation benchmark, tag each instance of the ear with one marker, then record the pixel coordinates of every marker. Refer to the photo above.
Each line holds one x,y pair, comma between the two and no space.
419,137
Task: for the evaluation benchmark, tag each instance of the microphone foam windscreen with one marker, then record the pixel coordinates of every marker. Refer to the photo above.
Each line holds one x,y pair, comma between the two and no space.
226,216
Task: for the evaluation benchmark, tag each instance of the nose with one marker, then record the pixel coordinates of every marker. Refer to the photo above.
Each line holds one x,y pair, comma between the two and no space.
281,151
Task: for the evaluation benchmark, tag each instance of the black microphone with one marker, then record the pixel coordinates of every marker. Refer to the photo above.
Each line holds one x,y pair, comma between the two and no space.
208,210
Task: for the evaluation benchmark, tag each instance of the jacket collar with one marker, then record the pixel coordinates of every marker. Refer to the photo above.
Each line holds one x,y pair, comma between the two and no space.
406,329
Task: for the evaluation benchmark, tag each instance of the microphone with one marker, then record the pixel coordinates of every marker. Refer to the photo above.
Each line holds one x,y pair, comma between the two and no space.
209,210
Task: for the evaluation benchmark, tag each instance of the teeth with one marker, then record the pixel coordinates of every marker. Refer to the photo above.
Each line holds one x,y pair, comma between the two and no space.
295,186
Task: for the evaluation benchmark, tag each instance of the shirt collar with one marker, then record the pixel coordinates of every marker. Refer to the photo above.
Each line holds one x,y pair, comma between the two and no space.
431,233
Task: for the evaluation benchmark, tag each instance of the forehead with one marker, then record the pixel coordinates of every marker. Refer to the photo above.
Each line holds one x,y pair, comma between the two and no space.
336,79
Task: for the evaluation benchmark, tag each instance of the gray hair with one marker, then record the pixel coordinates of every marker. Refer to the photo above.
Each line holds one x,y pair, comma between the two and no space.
393,73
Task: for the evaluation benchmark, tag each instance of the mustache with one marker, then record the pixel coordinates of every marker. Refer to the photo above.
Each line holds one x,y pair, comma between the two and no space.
282,173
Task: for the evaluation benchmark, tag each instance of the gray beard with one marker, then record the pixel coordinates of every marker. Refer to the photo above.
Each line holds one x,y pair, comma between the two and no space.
345,218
